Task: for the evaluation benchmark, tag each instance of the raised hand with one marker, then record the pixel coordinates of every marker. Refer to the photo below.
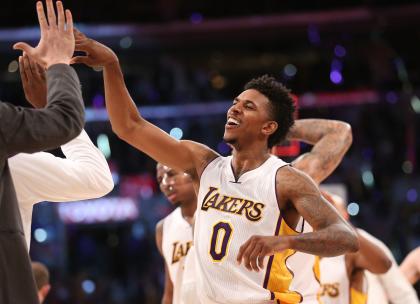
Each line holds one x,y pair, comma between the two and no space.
253,251
97,54
57,41
33,81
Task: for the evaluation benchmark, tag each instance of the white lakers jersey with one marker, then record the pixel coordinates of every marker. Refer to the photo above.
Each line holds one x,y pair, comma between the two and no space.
176,241
229,212
188,293
335,284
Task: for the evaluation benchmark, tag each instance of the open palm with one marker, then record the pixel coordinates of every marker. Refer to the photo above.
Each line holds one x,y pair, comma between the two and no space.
57,41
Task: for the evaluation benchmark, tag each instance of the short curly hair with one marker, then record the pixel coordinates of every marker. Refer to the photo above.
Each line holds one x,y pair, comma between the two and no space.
282,105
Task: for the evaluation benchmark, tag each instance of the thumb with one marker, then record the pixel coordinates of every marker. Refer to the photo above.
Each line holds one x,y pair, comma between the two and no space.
78,34
79,59
23,47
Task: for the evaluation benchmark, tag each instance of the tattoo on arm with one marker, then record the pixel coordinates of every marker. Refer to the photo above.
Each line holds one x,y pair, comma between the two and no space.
332,235
331,140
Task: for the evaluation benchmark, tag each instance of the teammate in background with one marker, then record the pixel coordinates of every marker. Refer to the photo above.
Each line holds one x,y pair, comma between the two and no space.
410,267
342,277
392,286
330,140
42,280
251,203
83,174
174,233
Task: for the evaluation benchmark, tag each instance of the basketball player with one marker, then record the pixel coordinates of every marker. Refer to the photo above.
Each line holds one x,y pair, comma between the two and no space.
392,286
83,174
342,277
251,203
331,139
411,266
174,233
42,280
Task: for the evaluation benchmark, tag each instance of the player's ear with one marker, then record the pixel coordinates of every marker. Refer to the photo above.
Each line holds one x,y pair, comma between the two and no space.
269,127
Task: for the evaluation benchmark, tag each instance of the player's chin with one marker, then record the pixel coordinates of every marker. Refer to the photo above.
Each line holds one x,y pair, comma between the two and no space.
229,138
175,203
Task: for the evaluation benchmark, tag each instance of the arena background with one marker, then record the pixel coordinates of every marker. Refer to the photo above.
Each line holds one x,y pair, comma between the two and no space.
184,60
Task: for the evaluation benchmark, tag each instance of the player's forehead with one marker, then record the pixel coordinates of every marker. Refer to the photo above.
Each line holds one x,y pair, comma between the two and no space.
253,96
162,170
159,168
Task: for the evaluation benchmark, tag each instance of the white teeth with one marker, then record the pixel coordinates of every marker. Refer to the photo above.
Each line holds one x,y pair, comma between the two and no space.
233,121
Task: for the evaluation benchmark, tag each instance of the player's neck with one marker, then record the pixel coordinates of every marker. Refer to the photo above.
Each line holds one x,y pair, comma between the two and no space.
188,210
247,160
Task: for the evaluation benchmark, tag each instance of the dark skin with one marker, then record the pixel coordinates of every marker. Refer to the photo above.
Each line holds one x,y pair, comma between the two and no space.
330,140
249,141
314,131
357,281
33,81
369,257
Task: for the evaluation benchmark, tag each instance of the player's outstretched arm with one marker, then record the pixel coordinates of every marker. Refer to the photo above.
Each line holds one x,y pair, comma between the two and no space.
330,139
168,290
128,123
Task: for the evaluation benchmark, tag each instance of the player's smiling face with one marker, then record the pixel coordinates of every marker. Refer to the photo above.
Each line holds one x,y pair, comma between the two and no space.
247,117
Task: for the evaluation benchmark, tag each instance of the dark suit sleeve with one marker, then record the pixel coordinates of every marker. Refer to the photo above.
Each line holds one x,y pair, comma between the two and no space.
31,130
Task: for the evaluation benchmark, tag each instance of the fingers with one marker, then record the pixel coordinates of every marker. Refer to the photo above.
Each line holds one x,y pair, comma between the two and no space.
30,69
23,47
79,59
264,252
52,21
41,72
253,252
82,43
27,66
241,252
60,15
36,69
82,46
41,17
252,264
78,35
69,24
23,75
80,38
249,253
246,257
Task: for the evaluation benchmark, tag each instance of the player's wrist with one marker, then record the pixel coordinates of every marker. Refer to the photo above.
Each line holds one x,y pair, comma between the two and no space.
114,63
286,242
50,63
